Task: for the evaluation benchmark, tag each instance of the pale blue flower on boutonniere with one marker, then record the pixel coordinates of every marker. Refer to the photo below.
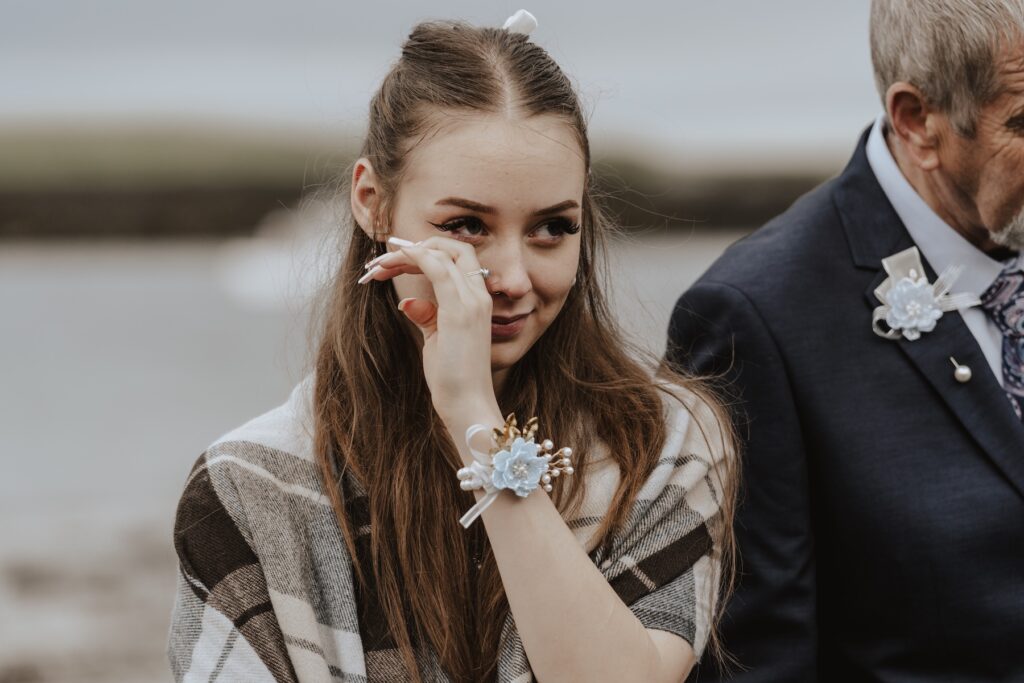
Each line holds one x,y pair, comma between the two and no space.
912,307
519,468
910,304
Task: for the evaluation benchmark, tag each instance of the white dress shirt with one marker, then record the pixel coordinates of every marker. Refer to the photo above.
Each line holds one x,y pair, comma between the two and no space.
940,244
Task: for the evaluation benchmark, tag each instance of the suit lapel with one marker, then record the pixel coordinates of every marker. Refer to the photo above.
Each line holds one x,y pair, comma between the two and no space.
874,231
980,404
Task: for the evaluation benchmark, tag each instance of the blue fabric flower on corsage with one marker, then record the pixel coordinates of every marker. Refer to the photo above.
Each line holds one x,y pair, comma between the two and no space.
519,468
910,304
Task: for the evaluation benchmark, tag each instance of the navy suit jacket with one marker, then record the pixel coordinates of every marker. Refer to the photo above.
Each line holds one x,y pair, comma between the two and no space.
881,523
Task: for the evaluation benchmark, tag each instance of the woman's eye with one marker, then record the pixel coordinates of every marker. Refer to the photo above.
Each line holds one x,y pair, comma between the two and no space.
557,228
466,226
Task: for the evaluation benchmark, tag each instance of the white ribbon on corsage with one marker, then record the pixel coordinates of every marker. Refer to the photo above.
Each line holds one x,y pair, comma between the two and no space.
477,476
910,304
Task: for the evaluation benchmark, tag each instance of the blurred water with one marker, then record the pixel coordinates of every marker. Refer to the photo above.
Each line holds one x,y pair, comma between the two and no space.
120,364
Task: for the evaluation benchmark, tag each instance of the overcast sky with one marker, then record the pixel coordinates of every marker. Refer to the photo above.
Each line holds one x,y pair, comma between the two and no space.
707,77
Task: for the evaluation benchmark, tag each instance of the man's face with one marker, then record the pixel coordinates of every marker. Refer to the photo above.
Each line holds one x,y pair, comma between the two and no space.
988,170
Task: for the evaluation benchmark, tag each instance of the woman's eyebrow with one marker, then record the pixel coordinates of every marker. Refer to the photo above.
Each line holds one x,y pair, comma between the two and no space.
483,208
558,208
466,204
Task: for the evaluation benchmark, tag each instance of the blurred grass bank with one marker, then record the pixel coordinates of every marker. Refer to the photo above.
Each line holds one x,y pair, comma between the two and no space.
141,183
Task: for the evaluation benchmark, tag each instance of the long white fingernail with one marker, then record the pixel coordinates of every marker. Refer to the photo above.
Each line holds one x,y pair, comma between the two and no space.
369,275
398,241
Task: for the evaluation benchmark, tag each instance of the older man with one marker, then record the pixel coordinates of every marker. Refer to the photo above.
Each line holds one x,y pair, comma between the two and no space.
882,527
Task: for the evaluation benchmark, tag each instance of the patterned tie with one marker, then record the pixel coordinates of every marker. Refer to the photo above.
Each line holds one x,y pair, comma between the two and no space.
1004,303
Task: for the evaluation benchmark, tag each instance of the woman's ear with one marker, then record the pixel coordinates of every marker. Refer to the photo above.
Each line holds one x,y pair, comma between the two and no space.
365,197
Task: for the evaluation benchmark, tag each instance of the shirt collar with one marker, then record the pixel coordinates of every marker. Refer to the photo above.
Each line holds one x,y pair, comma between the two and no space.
941,245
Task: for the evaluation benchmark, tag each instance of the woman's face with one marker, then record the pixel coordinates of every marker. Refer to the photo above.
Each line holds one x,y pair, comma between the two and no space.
514,190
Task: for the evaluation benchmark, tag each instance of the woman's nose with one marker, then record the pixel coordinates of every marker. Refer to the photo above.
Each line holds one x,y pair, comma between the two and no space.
510,274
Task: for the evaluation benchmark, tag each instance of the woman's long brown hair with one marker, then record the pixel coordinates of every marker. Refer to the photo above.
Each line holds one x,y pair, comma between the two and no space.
374,418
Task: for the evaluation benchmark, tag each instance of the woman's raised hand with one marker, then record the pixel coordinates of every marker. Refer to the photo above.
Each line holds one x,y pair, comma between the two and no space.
456,327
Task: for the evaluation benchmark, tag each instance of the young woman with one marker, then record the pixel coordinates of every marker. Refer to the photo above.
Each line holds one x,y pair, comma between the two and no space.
322,541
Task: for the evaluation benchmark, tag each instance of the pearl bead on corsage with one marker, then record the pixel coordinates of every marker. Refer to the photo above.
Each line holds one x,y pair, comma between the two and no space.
515,462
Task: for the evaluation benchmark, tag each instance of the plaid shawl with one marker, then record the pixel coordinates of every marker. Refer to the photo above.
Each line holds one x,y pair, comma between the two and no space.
265,584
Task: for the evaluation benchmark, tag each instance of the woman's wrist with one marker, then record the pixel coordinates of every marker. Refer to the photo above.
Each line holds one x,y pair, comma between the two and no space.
457,419
471,409
460,421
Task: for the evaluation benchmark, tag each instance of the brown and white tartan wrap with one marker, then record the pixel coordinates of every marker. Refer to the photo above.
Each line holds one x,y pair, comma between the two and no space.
266,592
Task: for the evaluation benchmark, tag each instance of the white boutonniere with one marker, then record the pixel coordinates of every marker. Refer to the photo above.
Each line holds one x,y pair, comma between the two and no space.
910,304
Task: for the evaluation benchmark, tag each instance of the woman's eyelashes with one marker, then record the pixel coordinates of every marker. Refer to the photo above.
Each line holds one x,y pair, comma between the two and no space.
558,227
464,226
469,228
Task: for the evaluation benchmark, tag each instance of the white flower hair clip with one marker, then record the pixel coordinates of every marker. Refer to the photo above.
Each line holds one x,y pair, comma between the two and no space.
521,22
516,463
910,304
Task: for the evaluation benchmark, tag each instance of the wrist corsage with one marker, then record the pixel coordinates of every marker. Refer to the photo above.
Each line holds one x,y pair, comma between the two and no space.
514,462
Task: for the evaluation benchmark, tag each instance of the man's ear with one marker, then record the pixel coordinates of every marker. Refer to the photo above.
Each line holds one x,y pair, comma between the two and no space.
915,124
365,197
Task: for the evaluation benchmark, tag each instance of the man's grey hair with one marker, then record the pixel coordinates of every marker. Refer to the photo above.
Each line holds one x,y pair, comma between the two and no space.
948,49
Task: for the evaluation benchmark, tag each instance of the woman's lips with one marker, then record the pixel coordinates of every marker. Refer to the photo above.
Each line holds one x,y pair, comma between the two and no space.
504,328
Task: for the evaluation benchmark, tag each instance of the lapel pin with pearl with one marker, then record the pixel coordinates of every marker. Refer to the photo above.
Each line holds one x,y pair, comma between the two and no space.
962,373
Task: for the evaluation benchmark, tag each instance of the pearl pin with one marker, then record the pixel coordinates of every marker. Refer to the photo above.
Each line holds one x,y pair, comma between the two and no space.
962,373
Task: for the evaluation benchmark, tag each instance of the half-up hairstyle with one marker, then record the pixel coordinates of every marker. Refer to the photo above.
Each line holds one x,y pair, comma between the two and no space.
375,423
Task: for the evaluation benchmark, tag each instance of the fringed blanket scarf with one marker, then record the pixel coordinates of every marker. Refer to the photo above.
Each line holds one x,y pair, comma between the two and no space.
265,584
